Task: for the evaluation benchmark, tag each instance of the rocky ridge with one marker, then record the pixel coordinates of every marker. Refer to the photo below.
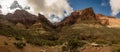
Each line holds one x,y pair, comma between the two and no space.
78,16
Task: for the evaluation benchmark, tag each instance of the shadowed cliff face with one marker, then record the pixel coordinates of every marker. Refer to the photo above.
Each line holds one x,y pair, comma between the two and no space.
26,18
21,16
45,21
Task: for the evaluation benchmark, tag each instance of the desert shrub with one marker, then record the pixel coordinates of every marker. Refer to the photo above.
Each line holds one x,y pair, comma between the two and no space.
116,50
19,44
18,38
49,37
114,41
65,48
74,44
100,41
36,40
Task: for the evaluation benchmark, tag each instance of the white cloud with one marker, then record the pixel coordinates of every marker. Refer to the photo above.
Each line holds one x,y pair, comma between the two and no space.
50,7
115,7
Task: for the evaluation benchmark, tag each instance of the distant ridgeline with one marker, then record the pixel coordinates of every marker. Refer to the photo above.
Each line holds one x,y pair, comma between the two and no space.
86,15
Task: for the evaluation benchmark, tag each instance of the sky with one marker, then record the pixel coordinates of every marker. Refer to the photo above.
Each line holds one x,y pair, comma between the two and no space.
57,10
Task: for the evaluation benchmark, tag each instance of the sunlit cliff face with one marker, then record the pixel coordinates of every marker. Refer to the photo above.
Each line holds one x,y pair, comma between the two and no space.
54,10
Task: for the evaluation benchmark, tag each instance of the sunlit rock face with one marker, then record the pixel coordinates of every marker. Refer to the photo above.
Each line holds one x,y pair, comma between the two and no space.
102,19
114,22
108,20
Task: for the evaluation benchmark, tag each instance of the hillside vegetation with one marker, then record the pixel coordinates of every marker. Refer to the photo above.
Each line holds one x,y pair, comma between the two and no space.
72,35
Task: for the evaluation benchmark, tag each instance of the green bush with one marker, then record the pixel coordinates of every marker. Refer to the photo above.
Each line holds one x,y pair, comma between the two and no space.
116,50
75,43
65,48
66,34
19,44
100,41
114,42
18,38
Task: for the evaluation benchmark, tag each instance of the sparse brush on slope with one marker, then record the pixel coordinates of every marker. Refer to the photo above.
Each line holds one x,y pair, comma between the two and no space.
78,29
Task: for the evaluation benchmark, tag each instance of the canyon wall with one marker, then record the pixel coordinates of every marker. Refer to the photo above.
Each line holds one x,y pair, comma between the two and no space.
108,20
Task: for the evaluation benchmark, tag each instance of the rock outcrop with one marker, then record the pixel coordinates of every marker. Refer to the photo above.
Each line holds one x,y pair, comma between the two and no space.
44,21
27,19
21,16
79,16
89,16
108,20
